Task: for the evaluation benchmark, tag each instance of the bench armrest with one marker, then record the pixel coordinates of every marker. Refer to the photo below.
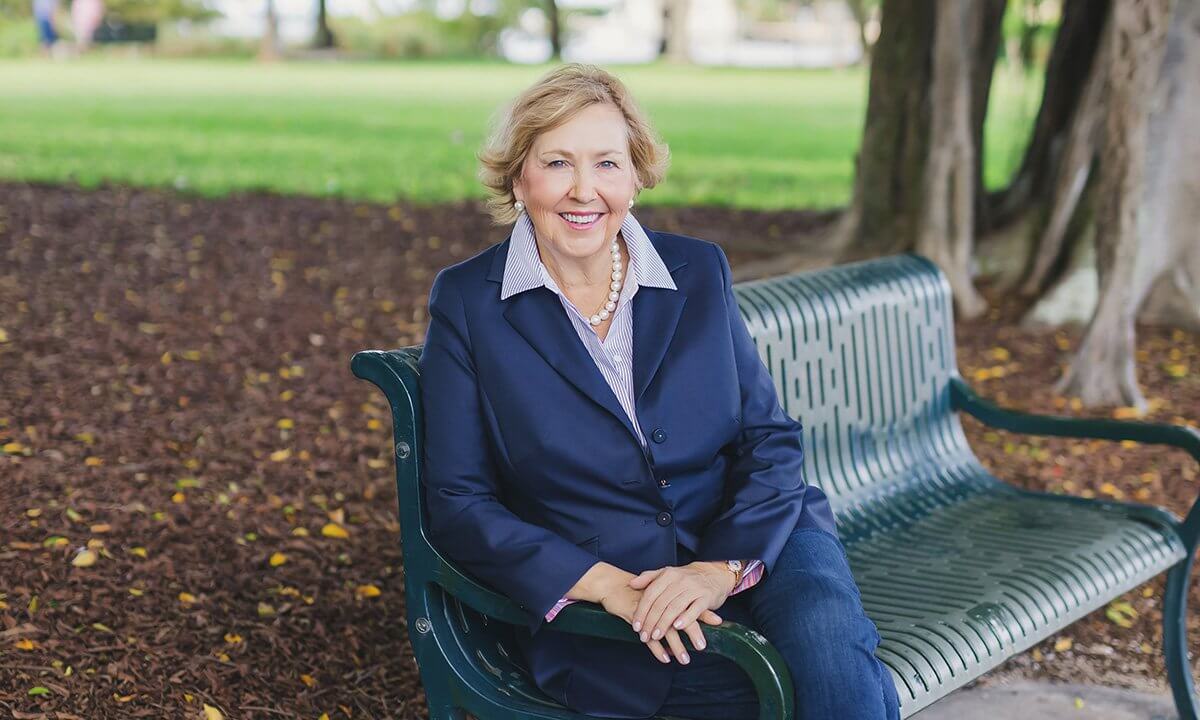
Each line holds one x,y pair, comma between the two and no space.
735,641
963,398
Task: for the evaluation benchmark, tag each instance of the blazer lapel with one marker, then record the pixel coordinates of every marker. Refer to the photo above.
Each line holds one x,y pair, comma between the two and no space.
656,313
538,316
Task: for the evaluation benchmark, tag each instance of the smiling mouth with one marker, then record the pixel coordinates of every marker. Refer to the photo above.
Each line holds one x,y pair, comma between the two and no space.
581,221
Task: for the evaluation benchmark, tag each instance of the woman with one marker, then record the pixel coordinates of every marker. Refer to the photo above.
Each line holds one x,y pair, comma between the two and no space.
611,436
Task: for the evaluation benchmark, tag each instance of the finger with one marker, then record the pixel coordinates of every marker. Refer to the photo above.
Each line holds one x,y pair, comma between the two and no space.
687,616
649,594
677,647
643,578
665,609
711,618
656,649
672,609
696,634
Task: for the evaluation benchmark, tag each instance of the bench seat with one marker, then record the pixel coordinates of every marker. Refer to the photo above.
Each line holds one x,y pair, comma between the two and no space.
960,579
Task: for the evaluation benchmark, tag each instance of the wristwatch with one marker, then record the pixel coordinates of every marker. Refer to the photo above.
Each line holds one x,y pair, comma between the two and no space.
735,566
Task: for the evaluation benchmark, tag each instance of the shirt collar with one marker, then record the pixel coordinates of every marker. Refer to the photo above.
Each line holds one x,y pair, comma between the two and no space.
524,270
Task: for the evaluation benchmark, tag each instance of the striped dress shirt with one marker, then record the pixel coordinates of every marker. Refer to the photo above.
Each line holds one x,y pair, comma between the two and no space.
524,270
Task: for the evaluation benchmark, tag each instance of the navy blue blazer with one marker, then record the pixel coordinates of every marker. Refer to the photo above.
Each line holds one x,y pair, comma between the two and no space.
533,472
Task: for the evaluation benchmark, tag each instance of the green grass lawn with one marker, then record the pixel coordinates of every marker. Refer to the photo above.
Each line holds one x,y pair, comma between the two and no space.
380,131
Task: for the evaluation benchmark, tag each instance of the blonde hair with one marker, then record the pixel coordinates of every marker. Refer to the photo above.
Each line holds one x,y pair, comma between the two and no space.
554,99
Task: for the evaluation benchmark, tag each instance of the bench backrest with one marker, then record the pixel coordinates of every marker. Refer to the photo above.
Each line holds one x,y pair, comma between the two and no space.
862,354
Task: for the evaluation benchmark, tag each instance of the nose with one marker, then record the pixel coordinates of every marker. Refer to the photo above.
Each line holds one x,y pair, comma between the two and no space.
583,189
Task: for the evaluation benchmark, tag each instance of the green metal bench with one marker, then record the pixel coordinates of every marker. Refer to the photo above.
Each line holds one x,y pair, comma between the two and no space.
958,569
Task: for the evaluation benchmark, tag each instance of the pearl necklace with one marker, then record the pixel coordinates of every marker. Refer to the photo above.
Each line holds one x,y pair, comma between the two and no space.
614,287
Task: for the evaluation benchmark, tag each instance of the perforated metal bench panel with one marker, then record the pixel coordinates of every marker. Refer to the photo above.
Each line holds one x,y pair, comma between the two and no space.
958,570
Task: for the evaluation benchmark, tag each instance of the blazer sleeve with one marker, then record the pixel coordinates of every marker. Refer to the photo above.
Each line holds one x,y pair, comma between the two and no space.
766,472
530,564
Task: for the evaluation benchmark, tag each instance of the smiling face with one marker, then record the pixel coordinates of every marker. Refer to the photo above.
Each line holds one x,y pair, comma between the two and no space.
581,168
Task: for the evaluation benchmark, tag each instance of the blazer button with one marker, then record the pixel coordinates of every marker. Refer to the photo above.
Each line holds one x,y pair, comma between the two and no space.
659,435
664,518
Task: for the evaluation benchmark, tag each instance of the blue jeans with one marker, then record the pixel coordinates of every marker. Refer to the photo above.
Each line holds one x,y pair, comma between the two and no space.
810,609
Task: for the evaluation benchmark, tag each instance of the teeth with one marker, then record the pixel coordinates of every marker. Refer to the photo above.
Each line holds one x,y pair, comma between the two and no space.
581,219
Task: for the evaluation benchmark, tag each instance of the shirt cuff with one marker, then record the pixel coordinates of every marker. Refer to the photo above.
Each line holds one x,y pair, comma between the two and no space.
558,606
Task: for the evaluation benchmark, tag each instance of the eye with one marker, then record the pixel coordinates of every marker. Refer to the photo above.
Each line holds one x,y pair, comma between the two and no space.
551,163
610,162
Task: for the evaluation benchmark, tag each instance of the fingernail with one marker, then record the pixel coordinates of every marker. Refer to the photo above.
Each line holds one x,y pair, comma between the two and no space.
678,624
665,658
686,659
643,636
637,625
656,634
700,644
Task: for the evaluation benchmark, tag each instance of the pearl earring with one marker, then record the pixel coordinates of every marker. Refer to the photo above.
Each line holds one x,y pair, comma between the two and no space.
519,206
630,202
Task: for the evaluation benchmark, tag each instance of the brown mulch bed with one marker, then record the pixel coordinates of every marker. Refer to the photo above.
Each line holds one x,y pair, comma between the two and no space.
181,440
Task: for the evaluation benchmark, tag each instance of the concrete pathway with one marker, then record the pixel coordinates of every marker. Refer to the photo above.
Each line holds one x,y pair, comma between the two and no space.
1027,700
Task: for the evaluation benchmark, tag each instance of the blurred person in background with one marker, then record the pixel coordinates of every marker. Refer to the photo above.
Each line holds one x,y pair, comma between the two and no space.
85,18
43,17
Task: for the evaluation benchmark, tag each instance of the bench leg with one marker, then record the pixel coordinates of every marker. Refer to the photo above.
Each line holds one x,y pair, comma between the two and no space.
1175,640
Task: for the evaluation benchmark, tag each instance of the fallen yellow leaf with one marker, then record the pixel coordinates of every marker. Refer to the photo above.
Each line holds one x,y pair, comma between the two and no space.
300,531
285,423
84,558
101,528
233,638
187,598
265,610
278,559
333,530
25,644
308,680
211,713
1062,644
178,497
281,455
369,591
139,551
1177,370
93,461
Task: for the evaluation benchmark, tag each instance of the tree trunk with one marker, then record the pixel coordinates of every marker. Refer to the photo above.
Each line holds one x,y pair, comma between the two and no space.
1069,67
983,69
675,31
268,49
324,36
882,217
1103,371
1071,176
947,222
555,29
858,9
1170,271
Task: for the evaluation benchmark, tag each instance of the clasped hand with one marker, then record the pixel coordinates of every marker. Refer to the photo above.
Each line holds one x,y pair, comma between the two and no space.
661,603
